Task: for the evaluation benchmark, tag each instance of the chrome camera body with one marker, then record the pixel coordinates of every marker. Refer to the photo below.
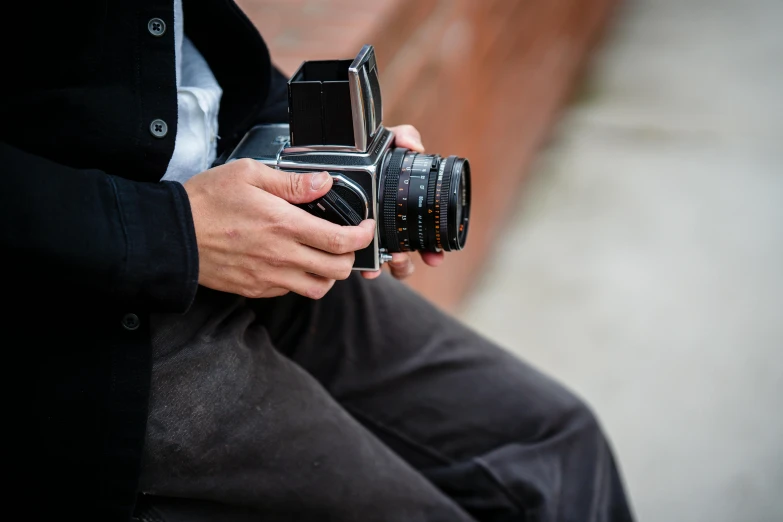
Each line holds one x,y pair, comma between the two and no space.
335,125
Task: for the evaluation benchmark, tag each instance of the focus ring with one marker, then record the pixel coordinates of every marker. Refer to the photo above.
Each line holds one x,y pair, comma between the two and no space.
391,181
431,187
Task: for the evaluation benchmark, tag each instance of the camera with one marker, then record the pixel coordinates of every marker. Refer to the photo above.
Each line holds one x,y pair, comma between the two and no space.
419,201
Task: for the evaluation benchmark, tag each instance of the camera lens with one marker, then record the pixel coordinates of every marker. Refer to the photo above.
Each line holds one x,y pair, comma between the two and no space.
424,201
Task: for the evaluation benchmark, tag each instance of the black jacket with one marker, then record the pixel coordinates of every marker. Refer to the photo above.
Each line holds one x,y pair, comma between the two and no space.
92,242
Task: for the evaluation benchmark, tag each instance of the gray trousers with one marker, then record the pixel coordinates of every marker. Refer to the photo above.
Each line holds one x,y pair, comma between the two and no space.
368,405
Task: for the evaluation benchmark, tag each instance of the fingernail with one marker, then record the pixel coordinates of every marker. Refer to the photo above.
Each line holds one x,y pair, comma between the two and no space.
418,144
369,224
319,180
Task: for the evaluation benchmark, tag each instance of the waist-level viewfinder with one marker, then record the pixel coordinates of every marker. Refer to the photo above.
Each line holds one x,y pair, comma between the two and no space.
335,103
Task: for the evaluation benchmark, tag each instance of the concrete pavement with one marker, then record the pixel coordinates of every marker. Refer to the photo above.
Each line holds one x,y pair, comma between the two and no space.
644,264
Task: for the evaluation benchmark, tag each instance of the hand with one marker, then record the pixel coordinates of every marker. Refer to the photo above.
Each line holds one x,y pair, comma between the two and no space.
253,242
401,265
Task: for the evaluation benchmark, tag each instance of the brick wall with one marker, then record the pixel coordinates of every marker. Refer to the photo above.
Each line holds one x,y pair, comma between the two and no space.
482,79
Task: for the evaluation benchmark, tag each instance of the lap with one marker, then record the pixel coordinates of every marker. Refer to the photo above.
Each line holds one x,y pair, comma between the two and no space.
489,430
399,364
234,421
368,397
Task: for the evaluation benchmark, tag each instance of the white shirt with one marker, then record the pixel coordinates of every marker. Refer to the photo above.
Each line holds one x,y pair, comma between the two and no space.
198,102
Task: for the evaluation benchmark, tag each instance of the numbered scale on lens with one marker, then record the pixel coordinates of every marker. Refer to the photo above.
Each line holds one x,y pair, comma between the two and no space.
415,217
421,219
430,207
403,192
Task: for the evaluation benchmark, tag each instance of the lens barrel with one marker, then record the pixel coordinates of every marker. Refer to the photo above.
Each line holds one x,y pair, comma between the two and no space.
424,201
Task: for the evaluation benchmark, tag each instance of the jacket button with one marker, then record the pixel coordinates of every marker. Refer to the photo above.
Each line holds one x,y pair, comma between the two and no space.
156,27
130,322
158,128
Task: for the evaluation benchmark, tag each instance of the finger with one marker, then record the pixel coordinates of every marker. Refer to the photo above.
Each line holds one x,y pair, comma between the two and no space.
401,265
318,262
371,275
252,292
304,284
293,187
324,235
432,258
407,136
274,292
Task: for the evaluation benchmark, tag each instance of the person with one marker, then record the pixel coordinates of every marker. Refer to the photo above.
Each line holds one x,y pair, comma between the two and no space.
195,346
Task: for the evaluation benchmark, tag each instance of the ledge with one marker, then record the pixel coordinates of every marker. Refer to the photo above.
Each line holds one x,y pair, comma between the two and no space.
484,80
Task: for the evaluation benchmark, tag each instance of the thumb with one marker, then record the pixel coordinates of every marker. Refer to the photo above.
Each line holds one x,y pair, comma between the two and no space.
294,187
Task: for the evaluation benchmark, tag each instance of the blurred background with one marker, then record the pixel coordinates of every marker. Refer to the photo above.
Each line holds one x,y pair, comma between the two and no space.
627,226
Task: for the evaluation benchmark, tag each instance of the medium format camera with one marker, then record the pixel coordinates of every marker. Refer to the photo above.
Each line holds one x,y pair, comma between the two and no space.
419,201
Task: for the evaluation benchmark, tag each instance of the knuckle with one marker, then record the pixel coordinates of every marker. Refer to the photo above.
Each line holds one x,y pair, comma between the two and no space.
318,291
315,293
402,269
400,264
246,163
346,267
253,292
279,220
338,242
369,236
409,130
252,285
245,166
273,255
296,184
343,273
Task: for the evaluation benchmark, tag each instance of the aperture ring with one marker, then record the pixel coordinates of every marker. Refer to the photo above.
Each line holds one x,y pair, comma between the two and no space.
403,204
429,218
417,201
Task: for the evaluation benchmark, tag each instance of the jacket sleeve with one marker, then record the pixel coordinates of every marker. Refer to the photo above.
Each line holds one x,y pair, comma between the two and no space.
122,240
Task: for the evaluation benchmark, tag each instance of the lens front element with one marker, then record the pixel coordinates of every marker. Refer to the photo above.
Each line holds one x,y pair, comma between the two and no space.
425,202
